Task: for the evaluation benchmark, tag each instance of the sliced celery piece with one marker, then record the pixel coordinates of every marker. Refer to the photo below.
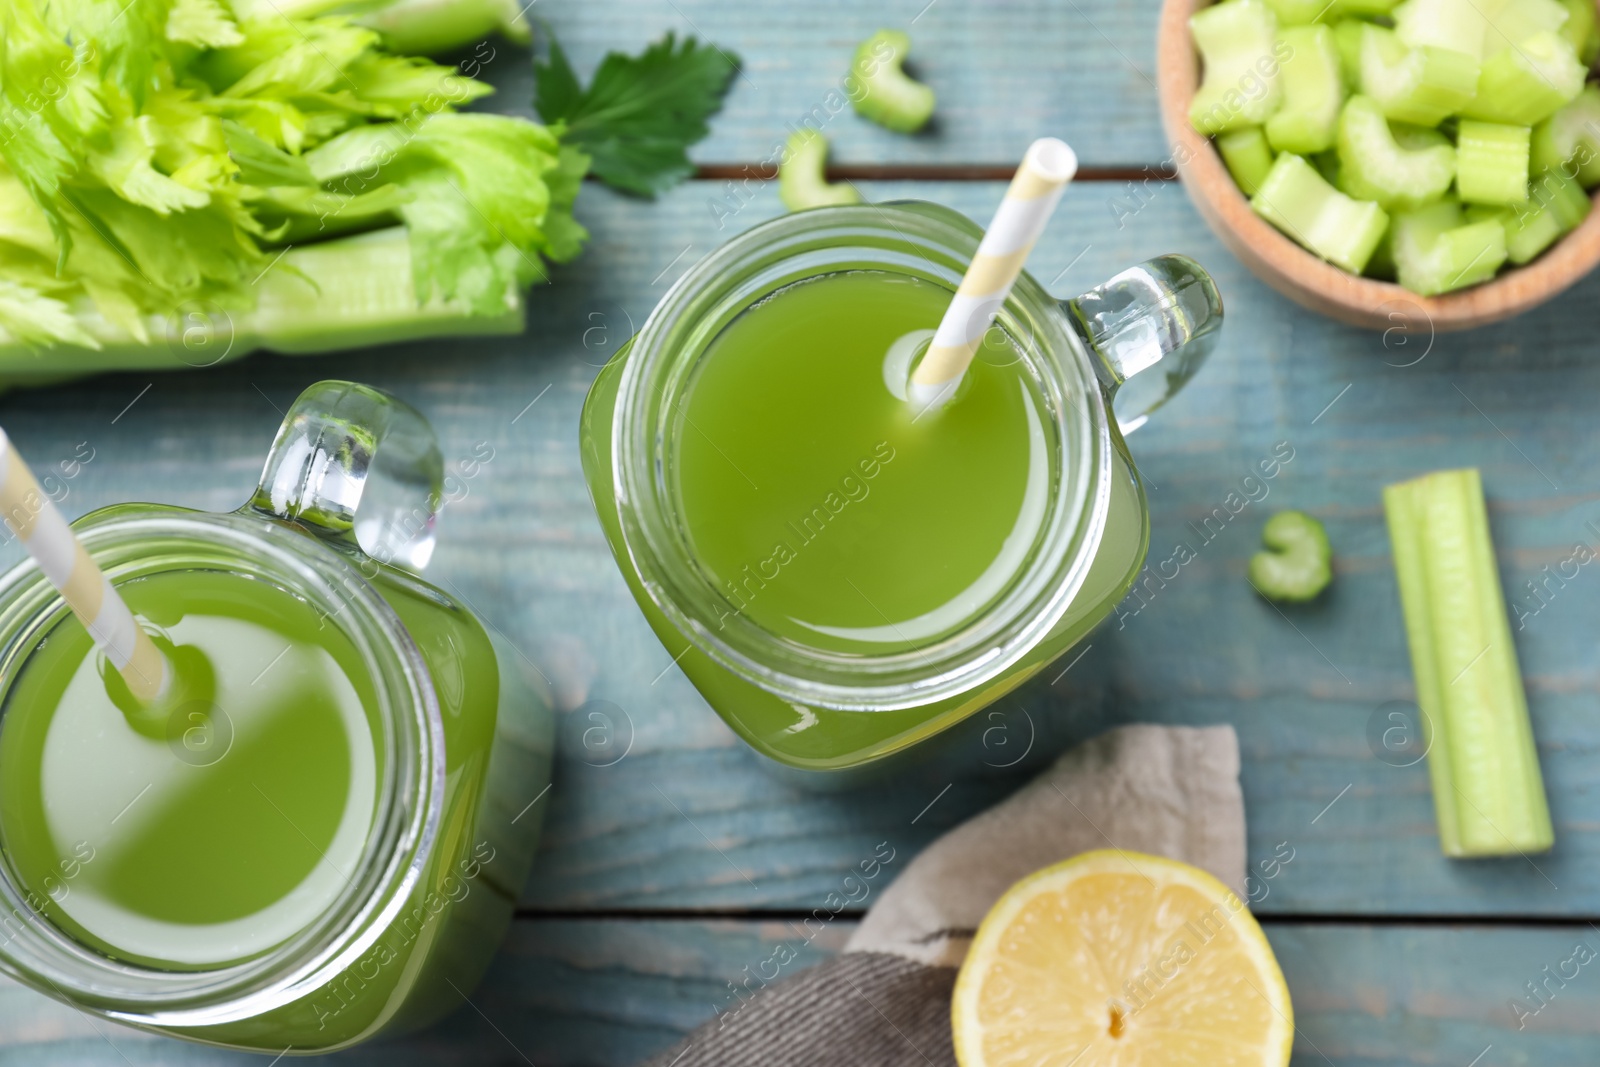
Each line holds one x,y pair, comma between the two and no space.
1488,793
1510,22
1301,203
1299,12
1454,25
1436,252
800,181
1298,561
1569,140
1421,85
1236,41
1313,89
1347,36
1528,83
1492,162
883,92
1372,166
1247,155
1555,206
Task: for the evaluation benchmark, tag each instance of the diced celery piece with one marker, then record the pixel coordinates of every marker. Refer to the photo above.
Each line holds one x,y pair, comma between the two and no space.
1297,563
1372,166
1510,22
1247,155
1488,793
1347,36
1236,41
1528,83
1299,12
1555,206
1436,252
1420,85
801,184
1569,140
1313,89
886,94
1492,162
1579,29
1300,202
1454,25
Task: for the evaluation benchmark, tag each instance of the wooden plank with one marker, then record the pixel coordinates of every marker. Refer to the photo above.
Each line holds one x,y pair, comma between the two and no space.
1005,73
689,818
605,992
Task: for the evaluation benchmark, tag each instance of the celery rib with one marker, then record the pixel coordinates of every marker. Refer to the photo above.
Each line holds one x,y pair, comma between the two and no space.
1488,791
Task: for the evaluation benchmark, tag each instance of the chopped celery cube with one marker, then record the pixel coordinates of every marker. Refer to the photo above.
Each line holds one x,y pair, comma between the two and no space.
1247,155
1528,83
1308,118
801,184
1569,140
1492,162
1237,42
883,92
1372,166
1488,793
1555,206
1347,36
1421,85
1435,252
1454,25
1299,12
1297,563
1300,202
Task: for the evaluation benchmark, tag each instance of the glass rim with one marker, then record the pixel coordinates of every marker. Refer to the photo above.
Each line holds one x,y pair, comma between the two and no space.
907,237
407,812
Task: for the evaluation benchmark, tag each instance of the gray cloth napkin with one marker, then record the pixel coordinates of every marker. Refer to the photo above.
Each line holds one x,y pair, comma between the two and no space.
1167,790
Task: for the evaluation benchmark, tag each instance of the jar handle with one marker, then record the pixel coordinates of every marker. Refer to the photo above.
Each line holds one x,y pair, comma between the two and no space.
1161,317
326,464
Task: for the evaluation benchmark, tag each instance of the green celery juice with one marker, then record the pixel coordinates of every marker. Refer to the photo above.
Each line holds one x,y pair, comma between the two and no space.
823,507
223,825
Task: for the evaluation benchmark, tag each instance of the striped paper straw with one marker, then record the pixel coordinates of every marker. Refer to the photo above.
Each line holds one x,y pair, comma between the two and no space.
34,518
1046,169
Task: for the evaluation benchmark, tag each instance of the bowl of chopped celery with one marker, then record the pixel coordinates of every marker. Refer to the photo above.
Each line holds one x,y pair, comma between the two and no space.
1380,161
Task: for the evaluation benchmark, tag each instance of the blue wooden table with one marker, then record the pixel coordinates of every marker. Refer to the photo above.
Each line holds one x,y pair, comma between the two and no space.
672,860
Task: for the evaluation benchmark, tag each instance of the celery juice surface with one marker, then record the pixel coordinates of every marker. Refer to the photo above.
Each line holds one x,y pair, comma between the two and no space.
829,512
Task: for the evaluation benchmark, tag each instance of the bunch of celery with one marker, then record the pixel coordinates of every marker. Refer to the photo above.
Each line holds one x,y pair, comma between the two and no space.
184,180
1430,141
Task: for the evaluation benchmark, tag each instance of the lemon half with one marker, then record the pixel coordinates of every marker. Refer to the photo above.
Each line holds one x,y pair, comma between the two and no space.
1119,958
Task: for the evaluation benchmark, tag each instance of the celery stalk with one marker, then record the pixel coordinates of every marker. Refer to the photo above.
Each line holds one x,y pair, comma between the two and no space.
1373,166
1247,155
1487,790
1528,83
1492,162
1423,84
410,27
1569,140
1237,42
1301,203
333,295
1312,91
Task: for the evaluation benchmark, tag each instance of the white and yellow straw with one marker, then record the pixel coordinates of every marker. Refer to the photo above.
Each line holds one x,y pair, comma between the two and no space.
1035,190
34,518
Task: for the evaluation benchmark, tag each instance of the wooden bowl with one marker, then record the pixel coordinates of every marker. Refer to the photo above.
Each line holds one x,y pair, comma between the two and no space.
1308,280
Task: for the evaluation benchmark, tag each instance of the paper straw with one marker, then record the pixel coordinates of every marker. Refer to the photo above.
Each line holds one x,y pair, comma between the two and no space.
34,518
1035,190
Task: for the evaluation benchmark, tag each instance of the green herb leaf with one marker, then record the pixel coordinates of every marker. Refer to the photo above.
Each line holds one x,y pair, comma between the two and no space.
641,113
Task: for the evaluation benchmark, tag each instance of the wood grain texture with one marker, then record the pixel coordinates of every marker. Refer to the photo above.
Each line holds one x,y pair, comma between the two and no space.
687,818
600,993
1005,73
1301,276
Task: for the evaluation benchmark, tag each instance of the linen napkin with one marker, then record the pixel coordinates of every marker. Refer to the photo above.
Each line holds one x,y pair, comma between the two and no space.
1166,790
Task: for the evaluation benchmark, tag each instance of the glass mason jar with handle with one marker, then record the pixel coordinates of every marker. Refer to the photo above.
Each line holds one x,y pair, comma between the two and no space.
822,697
320,836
